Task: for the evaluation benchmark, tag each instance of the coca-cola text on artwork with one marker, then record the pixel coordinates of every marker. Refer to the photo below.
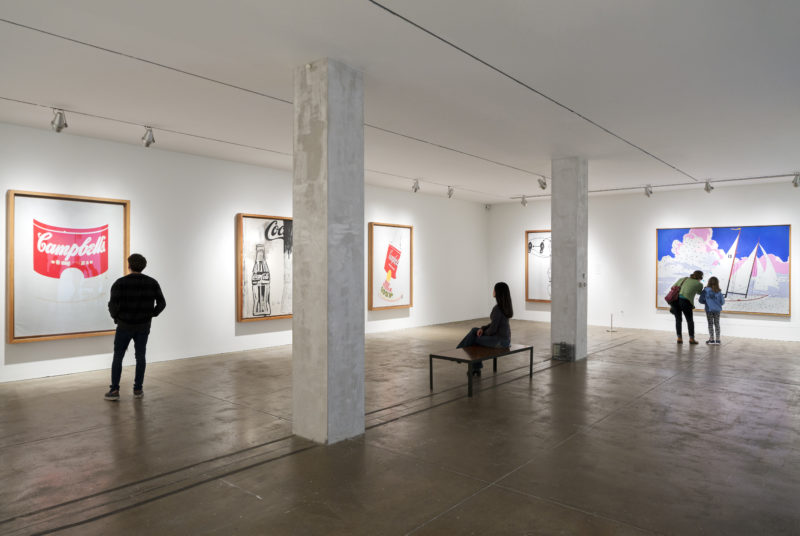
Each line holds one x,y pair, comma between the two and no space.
57,248
273,231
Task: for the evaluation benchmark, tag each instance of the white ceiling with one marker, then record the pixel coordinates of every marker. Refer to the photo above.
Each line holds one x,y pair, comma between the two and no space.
711,88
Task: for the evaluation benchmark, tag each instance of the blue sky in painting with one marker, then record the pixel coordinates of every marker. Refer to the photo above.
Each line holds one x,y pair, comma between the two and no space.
774,238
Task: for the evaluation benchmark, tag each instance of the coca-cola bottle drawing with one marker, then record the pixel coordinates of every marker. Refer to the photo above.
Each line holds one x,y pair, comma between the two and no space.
260,281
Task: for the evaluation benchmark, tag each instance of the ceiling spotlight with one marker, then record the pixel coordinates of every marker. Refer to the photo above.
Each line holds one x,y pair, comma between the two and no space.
796,180
415,186
524,201
450,192
542,183
148,139
708,187
59,121
648,190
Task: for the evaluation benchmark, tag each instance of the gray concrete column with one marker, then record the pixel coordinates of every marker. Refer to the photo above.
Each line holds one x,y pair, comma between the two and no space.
328,277
570,227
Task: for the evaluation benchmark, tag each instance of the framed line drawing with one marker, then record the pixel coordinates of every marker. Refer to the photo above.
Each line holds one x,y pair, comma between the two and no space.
538,271
391,266
752,263
63,254
263,267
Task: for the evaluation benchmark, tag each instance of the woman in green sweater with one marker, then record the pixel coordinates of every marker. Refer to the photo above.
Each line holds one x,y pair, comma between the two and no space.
690,287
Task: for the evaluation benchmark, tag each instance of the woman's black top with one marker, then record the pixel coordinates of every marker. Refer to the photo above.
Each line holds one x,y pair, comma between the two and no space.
499,326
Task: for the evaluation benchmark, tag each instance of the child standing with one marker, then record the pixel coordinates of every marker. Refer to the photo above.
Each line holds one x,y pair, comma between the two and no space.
714,300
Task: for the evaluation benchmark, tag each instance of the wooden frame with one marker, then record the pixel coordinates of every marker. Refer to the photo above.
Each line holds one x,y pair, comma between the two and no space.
379,302
528,285
56,262
272,231
727,309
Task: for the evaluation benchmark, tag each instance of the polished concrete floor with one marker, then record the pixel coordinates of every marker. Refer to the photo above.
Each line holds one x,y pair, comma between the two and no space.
643,437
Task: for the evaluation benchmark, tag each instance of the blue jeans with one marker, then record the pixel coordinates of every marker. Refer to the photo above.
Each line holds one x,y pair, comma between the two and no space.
489,341
121,341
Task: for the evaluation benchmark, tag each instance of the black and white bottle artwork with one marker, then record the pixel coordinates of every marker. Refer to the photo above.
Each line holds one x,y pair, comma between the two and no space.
260,281
265,267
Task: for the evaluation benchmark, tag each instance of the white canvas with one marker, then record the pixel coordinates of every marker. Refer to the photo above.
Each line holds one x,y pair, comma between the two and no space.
539,251
274,277
75,301
391,287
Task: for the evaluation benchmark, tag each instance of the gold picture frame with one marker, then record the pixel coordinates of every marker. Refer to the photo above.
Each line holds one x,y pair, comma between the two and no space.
272,236
389,261
542,269
42,303
754,251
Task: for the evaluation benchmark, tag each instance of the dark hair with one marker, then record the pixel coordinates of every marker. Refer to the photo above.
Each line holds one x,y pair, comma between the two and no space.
697,274
713,282
503,297
137,262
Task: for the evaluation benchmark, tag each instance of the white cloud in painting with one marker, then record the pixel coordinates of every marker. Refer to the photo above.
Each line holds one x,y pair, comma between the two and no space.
695,251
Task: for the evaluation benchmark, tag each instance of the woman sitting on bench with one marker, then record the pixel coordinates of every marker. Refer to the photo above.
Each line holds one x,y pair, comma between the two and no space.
496,334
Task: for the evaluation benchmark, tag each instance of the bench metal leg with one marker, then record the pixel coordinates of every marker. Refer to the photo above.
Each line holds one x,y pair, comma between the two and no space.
495,364
469,379
530,372
430,365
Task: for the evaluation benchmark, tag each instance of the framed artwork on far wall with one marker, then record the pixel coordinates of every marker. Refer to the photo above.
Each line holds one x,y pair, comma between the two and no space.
263,267
63,254
752,264
391,266
538,275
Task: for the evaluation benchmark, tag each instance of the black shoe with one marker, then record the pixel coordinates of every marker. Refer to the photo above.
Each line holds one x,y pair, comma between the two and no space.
112,395
138,393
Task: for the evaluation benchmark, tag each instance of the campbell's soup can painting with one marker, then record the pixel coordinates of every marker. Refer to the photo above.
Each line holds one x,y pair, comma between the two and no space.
56,249
392,260
67,254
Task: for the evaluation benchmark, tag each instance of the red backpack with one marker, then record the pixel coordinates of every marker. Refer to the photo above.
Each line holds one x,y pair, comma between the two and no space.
674,292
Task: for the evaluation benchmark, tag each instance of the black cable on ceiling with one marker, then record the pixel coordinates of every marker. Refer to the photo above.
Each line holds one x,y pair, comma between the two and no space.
160,129
254,92
455,150
531,88
673,185
150,62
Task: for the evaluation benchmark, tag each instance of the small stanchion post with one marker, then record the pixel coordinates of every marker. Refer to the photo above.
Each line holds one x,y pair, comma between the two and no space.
611,329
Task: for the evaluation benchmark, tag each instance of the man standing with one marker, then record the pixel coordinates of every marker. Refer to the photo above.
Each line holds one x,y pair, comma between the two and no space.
135,300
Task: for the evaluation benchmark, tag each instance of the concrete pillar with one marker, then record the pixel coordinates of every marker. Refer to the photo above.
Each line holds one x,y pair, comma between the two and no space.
570,228
328,277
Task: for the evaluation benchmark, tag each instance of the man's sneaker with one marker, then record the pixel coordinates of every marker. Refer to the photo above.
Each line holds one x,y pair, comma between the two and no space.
138,393
716,343
709,341
112,395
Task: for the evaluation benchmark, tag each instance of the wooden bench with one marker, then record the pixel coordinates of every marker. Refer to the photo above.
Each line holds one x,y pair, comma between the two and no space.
477,354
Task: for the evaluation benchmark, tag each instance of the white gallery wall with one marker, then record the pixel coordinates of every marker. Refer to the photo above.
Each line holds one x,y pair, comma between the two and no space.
183,212
450,270
622,251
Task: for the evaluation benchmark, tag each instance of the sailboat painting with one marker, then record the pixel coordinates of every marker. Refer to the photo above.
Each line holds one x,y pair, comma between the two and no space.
752,263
